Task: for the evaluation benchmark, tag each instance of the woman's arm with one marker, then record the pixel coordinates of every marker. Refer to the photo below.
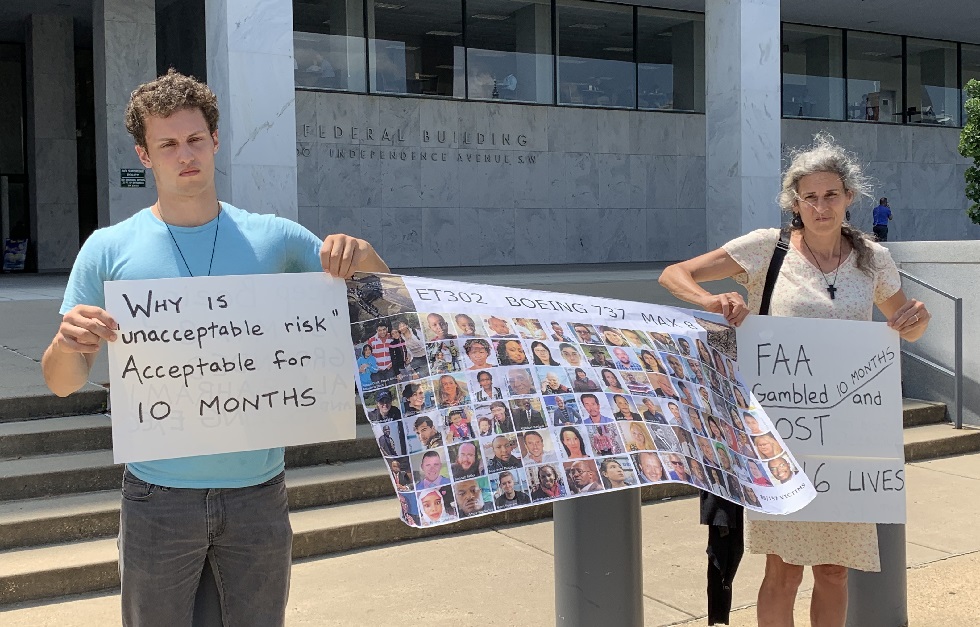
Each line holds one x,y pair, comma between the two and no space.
682,280
906,315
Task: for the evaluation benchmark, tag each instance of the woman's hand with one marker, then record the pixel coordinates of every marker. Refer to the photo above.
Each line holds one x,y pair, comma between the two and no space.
910,320
731,305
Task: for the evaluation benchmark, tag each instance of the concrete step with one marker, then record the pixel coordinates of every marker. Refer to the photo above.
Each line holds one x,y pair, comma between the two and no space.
91,399
66,517
940,440
29,574
49,436
32,476
916,412
36,572
62,518
73,434
92,432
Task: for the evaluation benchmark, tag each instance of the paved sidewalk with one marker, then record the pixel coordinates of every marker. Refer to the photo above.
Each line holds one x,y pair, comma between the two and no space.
504,576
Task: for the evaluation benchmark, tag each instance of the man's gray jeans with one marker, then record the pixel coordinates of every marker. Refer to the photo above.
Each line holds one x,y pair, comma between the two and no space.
166,536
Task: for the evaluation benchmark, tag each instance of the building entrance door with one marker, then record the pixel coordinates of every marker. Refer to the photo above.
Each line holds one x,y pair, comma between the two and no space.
15,218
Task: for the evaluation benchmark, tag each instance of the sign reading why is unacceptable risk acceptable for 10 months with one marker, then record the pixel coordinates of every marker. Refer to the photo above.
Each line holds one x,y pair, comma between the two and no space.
485,398
833,391
222,364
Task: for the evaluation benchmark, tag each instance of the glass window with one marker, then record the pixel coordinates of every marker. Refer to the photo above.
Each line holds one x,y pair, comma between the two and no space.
328,44
813,72
595,54
933,97
508,48
874,77
970,68
416,47
670,56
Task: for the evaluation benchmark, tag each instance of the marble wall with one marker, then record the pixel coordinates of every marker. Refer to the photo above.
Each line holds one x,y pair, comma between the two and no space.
52,158
250,69
918,168
440,183
124,55
742,87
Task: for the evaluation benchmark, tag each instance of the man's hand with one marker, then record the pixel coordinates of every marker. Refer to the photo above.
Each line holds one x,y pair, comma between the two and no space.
342,255
83,329
68,359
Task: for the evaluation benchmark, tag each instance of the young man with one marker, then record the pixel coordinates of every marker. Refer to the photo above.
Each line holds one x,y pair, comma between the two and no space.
231,508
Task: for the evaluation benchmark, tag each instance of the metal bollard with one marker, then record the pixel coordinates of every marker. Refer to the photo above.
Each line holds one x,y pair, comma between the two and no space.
881,599
599,561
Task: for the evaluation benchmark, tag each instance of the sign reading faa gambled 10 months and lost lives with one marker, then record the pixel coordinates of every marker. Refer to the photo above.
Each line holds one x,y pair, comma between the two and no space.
833,390
222,364
484,398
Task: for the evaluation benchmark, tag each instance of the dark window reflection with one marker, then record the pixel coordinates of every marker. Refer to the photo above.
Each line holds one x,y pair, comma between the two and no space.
874,78
328,44
670,54
813,72
595,54
509,50
416,47
933,97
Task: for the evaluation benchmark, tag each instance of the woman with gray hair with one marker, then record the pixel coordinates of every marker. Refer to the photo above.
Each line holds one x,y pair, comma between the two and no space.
830,270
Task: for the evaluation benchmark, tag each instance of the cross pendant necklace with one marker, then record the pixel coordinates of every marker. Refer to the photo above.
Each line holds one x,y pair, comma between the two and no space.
831,289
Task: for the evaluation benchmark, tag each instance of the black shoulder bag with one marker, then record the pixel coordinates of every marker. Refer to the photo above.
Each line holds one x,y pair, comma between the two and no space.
726,536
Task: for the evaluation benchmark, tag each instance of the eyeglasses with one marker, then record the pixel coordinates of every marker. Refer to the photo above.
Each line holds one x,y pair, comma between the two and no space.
676,463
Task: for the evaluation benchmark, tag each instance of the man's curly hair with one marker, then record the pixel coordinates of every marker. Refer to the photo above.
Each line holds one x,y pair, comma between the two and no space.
164,96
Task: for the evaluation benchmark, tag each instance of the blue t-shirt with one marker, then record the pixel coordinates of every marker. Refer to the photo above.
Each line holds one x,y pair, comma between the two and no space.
141,248
880,215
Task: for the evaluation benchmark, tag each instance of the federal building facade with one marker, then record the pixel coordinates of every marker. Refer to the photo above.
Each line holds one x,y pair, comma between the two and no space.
492,132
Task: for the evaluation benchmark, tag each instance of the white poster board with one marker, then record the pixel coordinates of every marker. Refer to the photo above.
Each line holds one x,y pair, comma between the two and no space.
223,364
832,388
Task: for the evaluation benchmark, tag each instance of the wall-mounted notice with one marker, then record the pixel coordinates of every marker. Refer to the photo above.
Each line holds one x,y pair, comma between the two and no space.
485,398
833,391
222,364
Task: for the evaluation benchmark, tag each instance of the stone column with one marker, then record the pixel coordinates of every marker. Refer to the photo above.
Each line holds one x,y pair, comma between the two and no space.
250,69
743,117
52,157
124,54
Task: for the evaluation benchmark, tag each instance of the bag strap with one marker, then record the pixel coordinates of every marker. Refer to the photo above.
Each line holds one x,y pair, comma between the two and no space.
778,254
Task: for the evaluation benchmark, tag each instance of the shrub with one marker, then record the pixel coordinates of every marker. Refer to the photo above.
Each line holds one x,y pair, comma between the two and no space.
970,148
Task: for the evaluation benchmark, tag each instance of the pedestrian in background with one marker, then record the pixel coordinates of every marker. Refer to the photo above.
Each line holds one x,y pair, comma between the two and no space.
880,216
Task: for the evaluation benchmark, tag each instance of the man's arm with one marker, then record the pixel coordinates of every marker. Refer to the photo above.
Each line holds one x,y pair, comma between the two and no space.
68,360
342,255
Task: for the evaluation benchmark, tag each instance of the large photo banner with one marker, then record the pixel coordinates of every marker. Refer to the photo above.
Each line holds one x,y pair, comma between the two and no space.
485,398
833,391
223,364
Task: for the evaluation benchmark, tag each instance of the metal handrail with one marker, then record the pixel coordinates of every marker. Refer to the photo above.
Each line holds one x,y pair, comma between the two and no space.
957,372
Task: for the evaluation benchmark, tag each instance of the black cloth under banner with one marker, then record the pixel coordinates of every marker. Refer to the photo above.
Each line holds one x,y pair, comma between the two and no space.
726,544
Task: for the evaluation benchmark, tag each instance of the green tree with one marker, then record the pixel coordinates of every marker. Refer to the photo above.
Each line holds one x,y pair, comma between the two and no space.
970,148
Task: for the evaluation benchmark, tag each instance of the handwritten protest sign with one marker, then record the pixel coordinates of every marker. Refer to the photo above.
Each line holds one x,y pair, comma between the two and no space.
833,391
221,364
484,398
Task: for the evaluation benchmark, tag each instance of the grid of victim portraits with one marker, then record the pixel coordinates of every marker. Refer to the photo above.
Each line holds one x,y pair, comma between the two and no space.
478,413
